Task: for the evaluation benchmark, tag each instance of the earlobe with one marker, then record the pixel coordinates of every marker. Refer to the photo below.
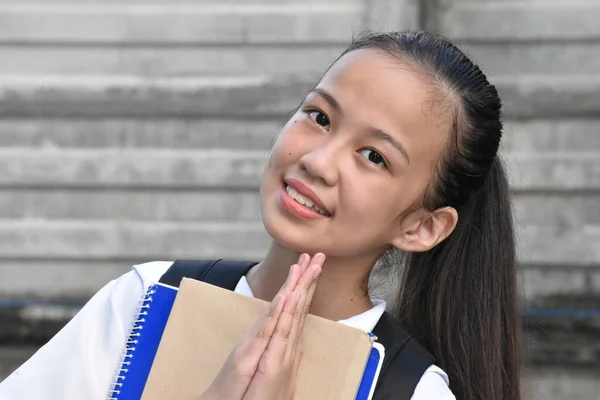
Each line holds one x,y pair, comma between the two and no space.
422,232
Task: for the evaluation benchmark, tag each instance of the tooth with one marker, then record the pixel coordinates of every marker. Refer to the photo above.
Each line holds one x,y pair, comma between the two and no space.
300,199
309,203
293,192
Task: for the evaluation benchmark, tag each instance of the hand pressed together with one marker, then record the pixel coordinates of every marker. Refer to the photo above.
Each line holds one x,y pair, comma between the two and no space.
264,364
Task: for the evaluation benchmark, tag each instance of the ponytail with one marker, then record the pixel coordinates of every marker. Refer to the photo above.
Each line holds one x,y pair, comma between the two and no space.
459,298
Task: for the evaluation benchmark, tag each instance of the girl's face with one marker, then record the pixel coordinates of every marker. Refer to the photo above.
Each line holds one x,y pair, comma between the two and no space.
362,147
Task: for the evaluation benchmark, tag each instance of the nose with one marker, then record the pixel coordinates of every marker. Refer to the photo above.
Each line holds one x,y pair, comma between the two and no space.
321,164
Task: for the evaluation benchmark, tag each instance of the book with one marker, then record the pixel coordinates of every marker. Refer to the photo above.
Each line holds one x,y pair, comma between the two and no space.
139,352
183,338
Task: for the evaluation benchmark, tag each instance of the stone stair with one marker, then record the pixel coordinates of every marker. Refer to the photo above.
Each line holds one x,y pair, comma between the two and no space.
135,130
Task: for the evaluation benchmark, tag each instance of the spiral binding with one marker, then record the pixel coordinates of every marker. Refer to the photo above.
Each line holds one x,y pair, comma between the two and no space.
126,357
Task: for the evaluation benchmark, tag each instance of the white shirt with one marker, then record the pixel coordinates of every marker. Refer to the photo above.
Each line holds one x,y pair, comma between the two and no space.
80,361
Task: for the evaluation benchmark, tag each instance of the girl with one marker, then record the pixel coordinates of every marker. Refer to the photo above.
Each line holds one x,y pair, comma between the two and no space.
394,149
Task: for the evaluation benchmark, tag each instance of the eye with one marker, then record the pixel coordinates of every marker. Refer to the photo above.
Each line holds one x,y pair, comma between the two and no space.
319,118
373,157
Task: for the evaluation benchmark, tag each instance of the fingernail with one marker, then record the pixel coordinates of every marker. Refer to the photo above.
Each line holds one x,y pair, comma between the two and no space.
319,258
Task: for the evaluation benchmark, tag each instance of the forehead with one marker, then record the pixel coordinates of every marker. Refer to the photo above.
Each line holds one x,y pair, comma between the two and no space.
376,89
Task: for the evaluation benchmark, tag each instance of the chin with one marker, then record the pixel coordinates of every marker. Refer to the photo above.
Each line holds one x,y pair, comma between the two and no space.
295,238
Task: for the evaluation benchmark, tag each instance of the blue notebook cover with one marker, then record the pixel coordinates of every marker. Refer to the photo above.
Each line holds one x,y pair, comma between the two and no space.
371,374
143,342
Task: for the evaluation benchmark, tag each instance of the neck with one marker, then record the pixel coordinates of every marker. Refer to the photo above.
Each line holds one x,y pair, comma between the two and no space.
340,292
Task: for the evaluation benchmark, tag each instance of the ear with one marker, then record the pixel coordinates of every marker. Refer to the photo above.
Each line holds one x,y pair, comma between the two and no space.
422,229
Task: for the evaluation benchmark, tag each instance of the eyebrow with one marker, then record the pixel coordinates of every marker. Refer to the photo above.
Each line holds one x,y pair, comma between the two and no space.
328,98
378,133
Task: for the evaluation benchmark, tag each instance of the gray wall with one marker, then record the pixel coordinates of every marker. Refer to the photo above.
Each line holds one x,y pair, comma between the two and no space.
135,130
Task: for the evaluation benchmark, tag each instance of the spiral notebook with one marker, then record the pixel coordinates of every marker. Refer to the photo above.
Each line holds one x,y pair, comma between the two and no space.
181,339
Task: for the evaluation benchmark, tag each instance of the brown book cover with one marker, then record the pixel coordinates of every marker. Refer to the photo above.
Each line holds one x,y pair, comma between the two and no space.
204,326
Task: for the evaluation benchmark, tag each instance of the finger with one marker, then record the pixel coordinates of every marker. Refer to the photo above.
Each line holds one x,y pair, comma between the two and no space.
277,348
305,288
306,300
295,273
291,389
307,282
298,359
292,278
304,262
256,342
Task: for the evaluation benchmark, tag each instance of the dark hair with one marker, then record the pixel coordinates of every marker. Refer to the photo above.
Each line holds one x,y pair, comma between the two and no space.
459,298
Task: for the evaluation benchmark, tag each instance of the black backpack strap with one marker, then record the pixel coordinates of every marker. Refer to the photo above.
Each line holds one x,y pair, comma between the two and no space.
221,273
404,363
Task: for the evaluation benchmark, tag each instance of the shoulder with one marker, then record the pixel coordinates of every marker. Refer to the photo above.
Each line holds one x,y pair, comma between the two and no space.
433,385
126,290
150,272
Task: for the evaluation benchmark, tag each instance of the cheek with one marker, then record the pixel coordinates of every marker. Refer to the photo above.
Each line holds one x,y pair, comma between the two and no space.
288,147
377,205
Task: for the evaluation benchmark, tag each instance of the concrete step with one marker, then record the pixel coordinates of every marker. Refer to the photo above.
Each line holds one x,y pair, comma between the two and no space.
130,96
565,286
529,135
234,134
554,171
166,169
562,337
561,382
524,57
11,357
179,23
101,240
549,95
219,168
559,225
59,280
535,96
540,135
520,20
131,205
152,61
551,135
576,246
555,213
84,3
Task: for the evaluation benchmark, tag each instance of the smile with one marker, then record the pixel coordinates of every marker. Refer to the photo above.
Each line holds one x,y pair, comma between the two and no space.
306,202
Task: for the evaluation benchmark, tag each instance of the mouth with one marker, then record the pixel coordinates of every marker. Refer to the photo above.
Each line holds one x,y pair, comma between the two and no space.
305,199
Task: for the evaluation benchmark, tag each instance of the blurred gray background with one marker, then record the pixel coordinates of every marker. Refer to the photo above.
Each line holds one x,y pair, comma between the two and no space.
135,130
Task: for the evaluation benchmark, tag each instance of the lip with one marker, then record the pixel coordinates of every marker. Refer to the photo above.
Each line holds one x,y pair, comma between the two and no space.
296,209
306,192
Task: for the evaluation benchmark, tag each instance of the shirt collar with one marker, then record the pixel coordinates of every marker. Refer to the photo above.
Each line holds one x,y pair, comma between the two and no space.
365,321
